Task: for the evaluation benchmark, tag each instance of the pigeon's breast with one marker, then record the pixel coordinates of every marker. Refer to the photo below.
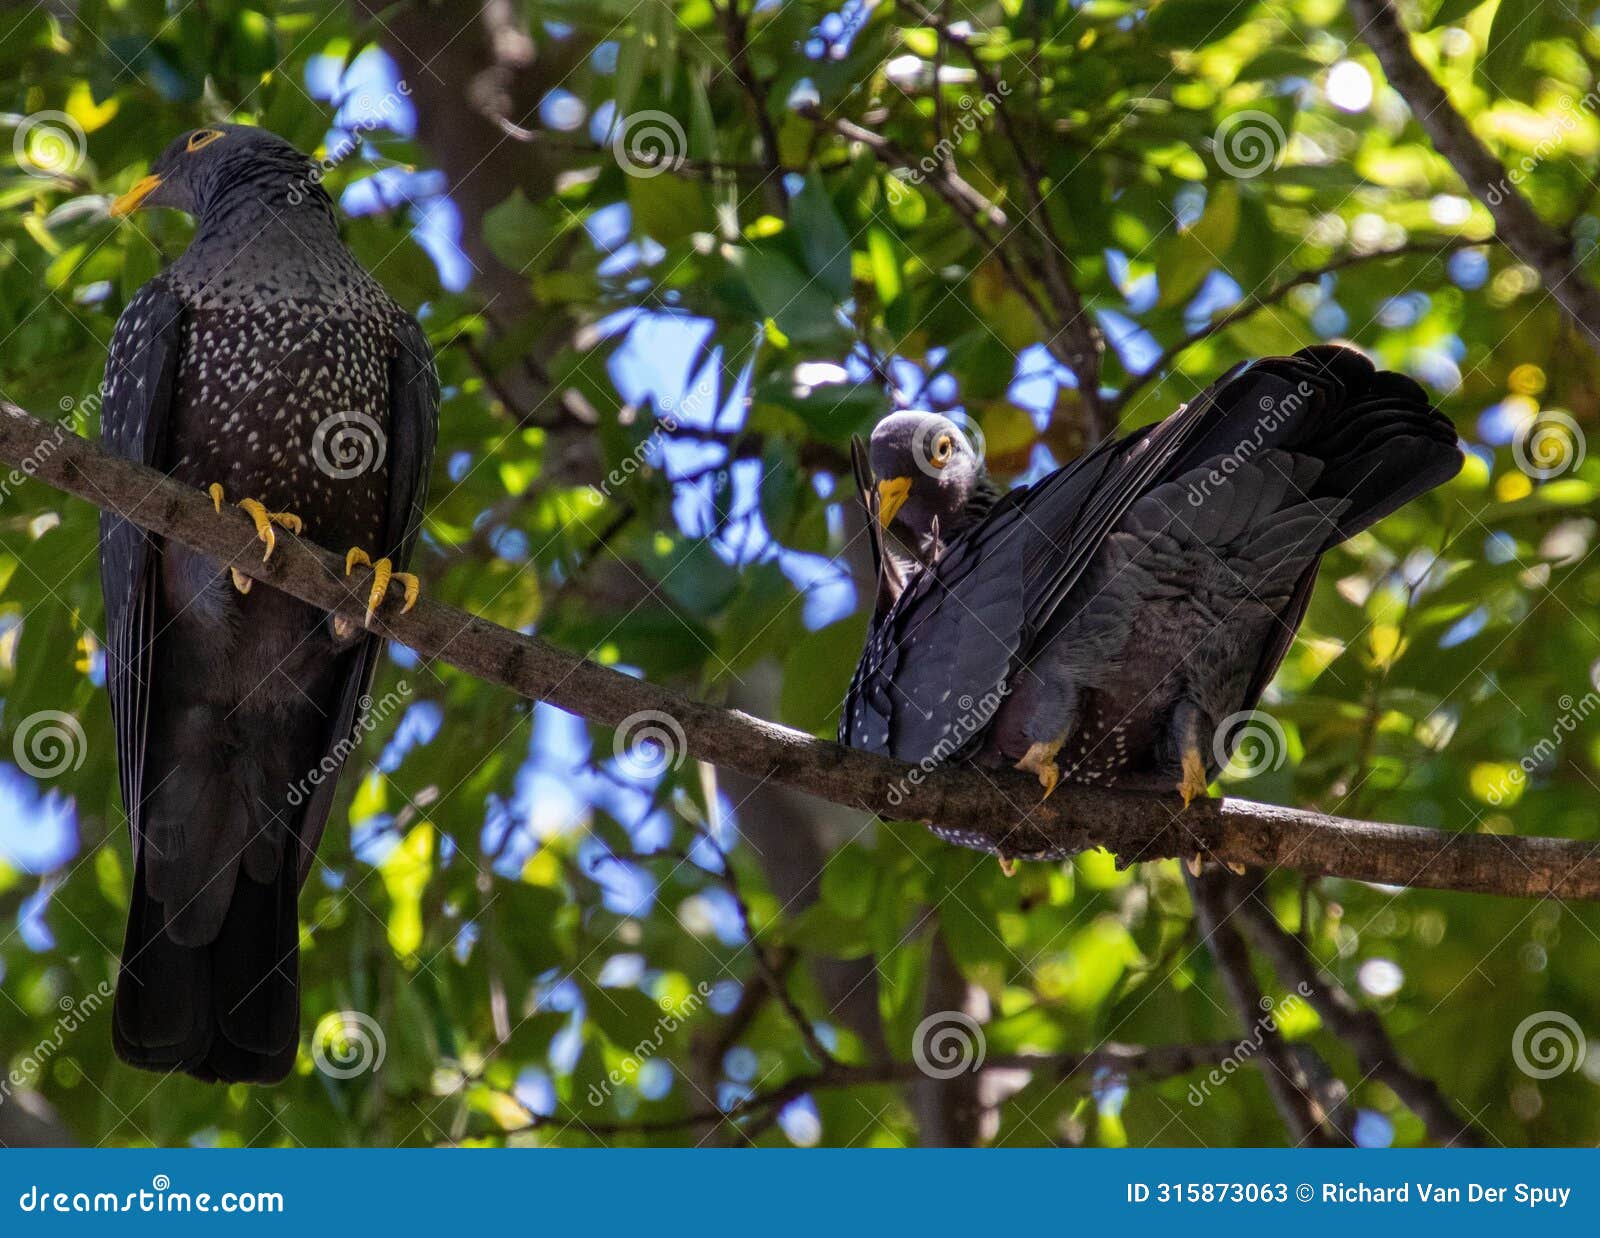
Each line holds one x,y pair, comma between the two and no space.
288,402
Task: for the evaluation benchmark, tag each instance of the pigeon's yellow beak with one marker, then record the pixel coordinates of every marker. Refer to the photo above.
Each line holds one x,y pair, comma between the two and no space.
892,496
129,202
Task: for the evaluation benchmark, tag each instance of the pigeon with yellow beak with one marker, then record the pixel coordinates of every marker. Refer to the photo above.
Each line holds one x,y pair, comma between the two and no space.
1110,623
266,367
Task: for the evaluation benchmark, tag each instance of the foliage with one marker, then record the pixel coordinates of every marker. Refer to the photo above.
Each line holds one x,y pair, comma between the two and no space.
525,908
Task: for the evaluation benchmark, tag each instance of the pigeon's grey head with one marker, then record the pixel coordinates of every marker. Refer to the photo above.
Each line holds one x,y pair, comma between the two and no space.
926,470
203,170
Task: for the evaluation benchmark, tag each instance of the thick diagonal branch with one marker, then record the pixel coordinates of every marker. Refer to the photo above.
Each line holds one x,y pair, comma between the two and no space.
996,811
1517,224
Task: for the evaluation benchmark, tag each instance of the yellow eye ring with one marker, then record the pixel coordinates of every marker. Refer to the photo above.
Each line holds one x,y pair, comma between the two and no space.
943,448
201,138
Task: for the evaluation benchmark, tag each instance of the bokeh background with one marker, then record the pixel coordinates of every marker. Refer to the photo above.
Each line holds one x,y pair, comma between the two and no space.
672,254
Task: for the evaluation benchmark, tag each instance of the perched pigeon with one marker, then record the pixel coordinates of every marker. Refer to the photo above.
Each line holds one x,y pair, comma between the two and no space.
267,367
1102,624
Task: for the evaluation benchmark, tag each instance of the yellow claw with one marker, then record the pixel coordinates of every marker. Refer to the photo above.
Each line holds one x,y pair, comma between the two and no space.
215,491
382,573
1040,760
1008,866
1193,784
264,521
241,582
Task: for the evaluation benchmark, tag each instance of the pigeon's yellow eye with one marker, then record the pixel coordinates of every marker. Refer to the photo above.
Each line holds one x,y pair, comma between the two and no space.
943,449
202,138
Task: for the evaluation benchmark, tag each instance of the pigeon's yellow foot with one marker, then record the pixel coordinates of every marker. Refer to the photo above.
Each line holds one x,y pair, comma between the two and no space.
1193,785
264,520
1008,866
382,573
1040,760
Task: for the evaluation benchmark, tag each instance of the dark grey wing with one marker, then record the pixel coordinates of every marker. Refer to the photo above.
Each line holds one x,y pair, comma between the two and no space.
137,395
413,432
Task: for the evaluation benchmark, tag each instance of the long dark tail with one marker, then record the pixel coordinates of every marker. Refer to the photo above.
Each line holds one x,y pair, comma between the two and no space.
210,978
226,1010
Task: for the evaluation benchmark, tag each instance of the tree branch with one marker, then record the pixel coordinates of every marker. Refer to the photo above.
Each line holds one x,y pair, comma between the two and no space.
1359,1028
1518,225
996,811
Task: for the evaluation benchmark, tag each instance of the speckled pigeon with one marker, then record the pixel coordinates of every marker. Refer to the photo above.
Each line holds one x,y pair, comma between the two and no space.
266,366
1102,624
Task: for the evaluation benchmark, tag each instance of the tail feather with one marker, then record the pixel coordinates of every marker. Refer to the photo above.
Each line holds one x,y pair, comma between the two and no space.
227,1010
